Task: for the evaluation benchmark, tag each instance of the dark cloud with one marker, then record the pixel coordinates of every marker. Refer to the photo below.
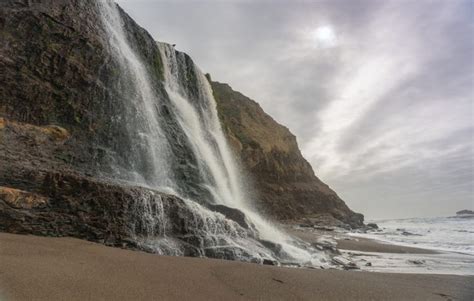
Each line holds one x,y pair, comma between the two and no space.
383,110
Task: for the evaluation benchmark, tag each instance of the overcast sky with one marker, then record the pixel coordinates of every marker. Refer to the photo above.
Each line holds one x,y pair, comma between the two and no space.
379,93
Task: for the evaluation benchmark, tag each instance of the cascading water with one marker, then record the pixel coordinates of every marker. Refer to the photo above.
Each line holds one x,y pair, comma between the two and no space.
197,117
191,119
149,147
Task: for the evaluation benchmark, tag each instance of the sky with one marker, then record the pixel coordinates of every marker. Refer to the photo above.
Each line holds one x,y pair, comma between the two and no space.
379,93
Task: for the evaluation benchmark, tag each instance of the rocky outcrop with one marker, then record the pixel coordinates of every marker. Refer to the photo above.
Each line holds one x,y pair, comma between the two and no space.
42,194
464,212
285,182
111,213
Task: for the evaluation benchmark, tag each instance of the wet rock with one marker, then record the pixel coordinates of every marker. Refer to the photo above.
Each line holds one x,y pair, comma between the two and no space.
372,226
112,213
43,191
270,262
275,247
291,264
230,253
344,262
406,233
322,228
327,247
232,213
417,262
465,211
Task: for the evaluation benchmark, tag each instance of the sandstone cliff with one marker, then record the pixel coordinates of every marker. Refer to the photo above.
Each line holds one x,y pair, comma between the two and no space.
285,182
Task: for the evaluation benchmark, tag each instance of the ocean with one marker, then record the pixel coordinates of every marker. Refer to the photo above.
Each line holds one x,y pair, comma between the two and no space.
449,234
452,237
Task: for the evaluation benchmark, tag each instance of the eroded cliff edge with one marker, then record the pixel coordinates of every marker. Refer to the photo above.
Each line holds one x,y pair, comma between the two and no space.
285,182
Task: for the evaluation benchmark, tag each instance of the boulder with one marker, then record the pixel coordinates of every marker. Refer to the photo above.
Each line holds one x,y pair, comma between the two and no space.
465,212
372,226
232,213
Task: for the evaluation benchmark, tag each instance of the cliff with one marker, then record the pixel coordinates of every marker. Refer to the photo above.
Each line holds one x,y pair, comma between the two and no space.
68,155
58,70
286,185
75,149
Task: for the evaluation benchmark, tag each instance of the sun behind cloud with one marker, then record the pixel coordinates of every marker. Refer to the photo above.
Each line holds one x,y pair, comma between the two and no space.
324,37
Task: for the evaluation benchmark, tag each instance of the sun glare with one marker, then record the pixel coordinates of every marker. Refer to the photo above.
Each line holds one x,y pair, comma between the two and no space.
324,37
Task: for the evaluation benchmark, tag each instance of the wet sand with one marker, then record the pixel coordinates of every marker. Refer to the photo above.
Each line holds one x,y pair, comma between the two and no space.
370,245
70,269
346,242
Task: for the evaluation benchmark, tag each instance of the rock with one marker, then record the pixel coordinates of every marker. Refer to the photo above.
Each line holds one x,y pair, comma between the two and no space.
233,214
270,262
346,264
275,247
291,264
44,192
19,199
417,262
465,212
321,228
111,213
368,264
326,247
406,233
372,225
56,132
323,221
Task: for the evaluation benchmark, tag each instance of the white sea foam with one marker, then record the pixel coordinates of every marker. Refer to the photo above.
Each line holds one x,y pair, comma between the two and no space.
443,263
451,234
452,237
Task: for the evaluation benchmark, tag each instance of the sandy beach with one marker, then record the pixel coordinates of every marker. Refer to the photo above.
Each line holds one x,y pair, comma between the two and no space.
369,245
43,268
346,242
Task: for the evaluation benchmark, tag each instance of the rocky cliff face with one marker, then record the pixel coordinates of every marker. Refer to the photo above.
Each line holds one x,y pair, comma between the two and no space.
58,70
41,193
285,182
64,148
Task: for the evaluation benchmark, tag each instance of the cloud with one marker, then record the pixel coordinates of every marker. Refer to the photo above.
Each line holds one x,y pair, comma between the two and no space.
384,115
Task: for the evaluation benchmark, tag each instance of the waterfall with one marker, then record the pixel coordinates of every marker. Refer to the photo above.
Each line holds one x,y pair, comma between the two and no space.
197,117
149,144
190,125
